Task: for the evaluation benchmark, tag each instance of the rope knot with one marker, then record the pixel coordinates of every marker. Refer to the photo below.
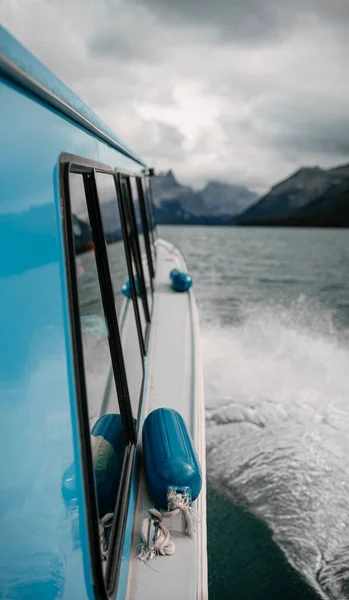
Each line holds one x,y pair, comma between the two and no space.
105,523
155,536
156,515
180,502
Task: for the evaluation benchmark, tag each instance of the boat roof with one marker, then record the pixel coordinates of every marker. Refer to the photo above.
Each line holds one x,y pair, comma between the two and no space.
22,66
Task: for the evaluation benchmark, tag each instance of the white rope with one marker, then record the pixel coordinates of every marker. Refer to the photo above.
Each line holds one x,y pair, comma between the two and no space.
181,503
160,543
104,523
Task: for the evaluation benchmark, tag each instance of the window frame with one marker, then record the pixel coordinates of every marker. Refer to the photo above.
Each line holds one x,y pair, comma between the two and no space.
130,219
145,227
150,203
128,255
104,584
149,209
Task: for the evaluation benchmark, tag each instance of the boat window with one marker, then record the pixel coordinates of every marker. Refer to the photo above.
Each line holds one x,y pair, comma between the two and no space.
106,423
133,243
106,431
150,217
121,272
143,236
150,206
94,331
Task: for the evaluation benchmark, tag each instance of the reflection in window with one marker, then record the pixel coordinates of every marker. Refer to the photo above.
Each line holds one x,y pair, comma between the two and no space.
146,267
150,205
150,216
107,437
119,273
132,244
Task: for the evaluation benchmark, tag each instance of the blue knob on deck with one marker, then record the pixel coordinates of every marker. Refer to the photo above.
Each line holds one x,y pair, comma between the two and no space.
181,282
173,273
126,288
170,459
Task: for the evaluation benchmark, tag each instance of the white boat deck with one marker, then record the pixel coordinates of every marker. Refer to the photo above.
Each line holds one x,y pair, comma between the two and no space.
174,381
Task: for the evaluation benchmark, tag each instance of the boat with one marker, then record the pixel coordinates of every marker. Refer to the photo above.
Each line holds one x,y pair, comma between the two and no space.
94,340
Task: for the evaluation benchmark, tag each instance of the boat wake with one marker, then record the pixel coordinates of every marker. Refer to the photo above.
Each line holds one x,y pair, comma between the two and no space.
278,432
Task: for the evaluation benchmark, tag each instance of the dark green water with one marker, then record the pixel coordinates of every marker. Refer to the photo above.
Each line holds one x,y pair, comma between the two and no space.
274,311
244,561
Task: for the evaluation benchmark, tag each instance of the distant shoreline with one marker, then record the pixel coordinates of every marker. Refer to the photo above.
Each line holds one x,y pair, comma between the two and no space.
268,224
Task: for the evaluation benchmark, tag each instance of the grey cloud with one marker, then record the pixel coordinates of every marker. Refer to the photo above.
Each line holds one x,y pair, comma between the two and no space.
162,139
110,43
133,33
311,125
125,34
251,21
308,128
267,79
123,90
287,133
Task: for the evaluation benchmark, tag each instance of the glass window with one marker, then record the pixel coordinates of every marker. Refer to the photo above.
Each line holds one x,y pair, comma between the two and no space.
142,240
150,217
132,239
127,311
150,206
107,436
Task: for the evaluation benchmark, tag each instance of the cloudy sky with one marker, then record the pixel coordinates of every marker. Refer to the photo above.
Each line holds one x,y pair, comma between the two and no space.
245,91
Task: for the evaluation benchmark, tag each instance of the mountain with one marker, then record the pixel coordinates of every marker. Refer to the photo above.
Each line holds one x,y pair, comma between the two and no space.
329,210
110,217
175,203
216,203
225,198
111,223
82,235
298,191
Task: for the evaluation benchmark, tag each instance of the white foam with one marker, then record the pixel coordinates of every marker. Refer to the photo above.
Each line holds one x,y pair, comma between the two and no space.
277,397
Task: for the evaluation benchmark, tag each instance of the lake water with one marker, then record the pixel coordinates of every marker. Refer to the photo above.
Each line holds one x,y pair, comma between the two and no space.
274,308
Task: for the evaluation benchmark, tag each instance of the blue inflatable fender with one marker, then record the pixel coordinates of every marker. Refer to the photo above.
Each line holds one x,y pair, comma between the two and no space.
173,273
181,281
126,288
108,447
170,459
